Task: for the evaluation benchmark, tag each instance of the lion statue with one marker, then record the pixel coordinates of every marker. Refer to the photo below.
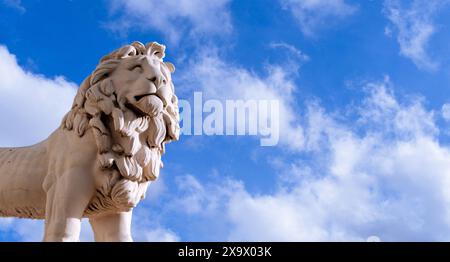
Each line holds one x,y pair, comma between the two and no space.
107,150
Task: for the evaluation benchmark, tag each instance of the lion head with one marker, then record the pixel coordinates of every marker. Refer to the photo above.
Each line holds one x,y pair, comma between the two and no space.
130,105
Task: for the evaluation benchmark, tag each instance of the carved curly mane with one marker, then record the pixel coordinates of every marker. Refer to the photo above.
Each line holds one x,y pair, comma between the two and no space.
129,145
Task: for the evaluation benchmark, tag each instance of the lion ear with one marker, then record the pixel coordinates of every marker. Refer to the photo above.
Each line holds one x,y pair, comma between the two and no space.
126,51
156,49
170,66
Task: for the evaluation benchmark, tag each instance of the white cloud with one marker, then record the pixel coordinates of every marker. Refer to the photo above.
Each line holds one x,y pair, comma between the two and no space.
382,174
313,15
295,57
292,49
15,4
405,121
32,105
414,25
6,222
28,230
174,18
146,226
156,235
445,111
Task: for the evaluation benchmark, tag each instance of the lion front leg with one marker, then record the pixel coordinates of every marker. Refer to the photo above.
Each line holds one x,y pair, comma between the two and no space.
112,227
67,200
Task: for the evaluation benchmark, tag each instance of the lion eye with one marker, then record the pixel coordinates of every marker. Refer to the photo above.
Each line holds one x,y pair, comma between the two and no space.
137,68
154,80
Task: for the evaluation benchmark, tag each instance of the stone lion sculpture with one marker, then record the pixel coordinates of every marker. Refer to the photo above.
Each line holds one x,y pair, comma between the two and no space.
100,161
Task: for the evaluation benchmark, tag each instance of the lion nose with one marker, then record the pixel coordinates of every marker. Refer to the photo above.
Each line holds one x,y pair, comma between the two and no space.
154,80
158,81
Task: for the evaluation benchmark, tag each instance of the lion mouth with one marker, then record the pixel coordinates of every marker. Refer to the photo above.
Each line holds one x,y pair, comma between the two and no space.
139,97
147,105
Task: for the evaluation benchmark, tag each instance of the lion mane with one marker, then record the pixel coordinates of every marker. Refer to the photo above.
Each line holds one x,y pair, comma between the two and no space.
129,145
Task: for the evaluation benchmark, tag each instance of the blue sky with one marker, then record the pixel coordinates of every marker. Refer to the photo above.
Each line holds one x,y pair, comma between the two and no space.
363,87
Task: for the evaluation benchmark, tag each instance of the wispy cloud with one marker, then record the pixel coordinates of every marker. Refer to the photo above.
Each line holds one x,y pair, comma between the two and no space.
173,18
313,15
414,25
292,49
15,4
445,111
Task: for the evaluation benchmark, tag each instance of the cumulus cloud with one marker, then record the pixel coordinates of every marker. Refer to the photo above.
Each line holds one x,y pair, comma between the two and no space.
313,15
414,25
32,105
382,174
174,18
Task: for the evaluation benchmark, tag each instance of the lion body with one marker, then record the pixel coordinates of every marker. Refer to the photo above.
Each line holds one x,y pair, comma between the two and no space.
27,173
22,172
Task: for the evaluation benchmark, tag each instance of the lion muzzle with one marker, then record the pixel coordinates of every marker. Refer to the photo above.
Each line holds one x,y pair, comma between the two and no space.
150,105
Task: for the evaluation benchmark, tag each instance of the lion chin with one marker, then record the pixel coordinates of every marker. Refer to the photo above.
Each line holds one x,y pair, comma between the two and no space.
99,163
